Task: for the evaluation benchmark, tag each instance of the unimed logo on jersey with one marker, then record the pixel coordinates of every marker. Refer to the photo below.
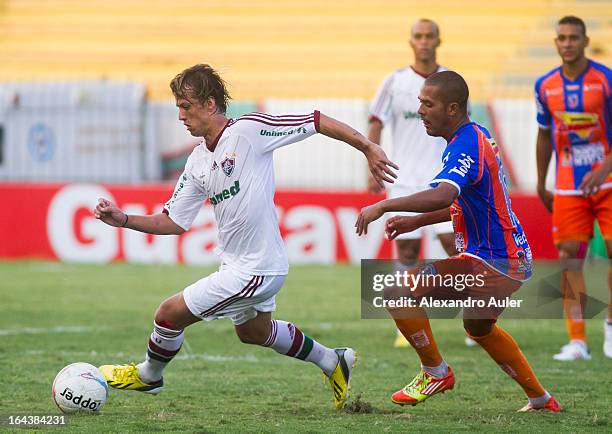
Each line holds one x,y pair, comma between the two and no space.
225,194
299,130
411,115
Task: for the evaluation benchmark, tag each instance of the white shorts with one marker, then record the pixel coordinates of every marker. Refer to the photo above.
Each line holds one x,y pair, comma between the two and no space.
227,294
438,228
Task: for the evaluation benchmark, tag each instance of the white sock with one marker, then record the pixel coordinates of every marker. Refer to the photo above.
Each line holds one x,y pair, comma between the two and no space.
539,401
436,371
579,342
287,339
151,370
164,344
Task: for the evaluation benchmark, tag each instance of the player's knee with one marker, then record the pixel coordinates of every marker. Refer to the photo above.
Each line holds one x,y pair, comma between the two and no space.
408,257
166,315
478,327
572,249
162,315
566,252
572,254
408,251
251,336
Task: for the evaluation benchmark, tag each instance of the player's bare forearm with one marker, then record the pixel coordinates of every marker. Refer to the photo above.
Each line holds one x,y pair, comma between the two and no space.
403,224
427,201
544,150
335,129
375,131
606,166
433,217
156,224
380,166
593,180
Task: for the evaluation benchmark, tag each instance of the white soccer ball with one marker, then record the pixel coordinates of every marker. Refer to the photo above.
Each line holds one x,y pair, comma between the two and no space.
80,387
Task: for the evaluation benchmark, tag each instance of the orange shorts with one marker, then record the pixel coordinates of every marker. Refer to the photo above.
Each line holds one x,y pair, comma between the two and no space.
463,277
573,216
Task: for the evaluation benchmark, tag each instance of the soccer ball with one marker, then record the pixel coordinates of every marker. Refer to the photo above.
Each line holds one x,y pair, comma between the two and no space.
80,387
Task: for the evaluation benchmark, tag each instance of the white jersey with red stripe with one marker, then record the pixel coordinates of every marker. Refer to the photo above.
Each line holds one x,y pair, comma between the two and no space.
236,173
417,154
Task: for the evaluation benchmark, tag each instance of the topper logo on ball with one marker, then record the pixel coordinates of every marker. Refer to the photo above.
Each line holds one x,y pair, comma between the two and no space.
78,400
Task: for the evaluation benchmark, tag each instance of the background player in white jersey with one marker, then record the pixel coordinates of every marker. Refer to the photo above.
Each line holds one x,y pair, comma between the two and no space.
233,168
417,154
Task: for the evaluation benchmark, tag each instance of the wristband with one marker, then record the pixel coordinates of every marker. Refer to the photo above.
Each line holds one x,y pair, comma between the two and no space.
126,220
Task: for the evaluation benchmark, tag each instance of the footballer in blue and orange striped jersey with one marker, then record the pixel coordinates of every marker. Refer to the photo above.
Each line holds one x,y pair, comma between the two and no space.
574,103
470,190
484,223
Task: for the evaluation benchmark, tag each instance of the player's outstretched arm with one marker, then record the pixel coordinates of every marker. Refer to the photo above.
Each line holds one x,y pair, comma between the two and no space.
425,201
398,225
544,150
380,166
157,224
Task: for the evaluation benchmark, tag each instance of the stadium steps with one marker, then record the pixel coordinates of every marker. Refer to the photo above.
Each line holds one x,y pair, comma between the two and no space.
537,53
333,49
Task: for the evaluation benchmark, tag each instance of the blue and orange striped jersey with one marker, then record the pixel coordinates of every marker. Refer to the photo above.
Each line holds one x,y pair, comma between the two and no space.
579,112
484,224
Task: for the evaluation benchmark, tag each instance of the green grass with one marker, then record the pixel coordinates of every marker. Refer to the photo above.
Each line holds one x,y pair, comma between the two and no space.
55,314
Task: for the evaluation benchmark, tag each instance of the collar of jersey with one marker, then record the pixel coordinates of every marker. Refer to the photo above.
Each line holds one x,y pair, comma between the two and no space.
211,146
579,77
456,133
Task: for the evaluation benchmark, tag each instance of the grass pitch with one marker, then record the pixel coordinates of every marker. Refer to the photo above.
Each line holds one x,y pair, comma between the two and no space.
54,314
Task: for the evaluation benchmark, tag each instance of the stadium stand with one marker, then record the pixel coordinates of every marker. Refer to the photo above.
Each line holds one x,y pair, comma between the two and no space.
320,48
